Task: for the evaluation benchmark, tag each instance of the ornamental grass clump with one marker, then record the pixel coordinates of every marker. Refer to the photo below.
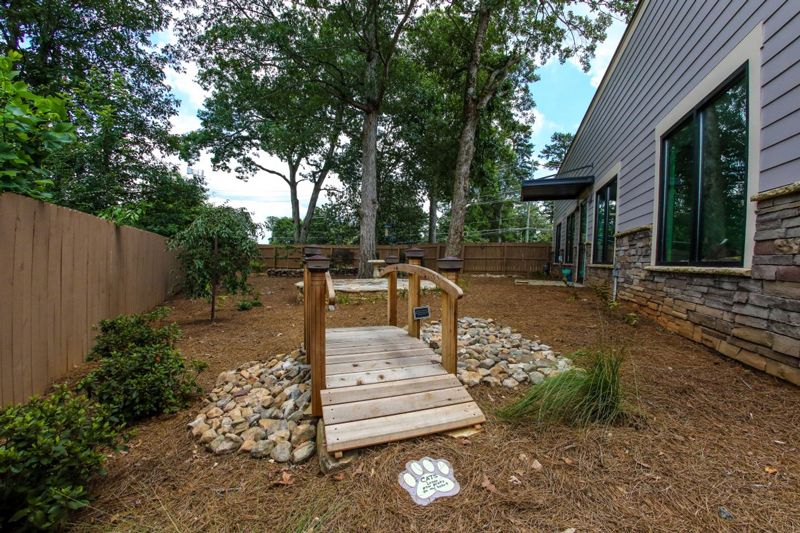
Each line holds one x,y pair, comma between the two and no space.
50,448
576,397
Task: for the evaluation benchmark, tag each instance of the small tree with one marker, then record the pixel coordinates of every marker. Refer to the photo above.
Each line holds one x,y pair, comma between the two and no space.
216,251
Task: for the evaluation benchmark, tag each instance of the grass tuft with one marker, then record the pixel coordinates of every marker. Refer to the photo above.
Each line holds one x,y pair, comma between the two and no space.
576,397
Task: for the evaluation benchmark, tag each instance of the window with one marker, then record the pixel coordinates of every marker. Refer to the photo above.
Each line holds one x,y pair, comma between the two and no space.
704,182
605,210
558,244
570,240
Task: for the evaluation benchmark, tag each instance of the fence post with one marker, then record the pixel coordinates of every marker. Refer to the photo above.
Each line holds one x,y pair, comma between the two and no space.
414,256
450,267
316,266
391,302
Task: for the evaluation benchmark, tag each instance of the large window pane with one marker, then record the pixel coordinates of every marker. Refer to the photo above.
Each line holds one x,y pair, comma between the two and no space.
570,240
558,244
604,224
704,182
678,195
611,218
599,227
724,175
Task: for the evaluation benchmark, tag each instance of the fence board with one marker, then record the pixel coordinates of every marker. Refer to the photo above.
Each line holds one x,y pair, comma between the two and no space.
61,272
7,237
21,304
496,258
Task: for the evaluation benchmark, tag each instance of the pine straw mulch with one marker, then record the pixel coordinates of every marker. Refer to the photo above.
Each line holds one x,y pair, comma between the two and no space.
710,433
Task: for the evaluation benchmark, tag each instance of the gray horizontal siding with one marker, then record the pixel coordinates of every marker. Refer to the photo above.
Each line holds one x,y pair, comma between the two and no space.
780,116
675,45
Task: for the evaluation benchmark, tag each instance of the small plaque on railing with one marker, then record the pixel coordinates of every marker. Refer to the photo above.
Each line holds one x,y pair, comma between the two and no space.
422,312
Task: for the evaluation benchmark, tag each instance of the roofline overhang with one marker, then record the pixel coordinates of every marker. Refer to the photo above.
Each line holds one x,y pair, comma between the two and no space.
555,188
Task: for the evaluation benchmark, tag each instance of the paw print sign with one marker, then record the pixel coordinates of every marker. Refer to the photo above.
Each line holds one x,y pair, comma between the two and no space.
428,479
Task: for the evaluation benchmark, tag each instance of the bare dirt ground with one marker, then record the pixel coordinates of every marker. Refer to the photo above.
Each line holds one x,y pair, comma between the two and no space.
715,434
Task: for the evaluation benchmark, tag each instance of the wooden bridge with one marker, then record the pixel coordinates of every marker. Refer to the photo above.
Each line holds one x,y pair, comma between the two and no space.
378,384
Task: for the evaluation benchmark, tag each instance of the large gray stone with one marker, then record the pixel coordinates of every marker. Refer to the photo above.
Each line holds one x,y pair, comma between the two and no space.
282,451
303,452
262,448
303,433
327,462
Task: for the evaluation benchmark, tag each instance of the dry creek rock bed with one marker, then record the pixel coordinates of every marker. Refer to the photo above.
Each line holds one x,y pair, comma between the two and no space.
261,407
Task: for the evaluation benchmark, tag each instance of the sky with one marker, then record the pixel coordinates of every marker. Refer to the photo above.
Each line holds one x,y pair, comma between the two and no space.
562,96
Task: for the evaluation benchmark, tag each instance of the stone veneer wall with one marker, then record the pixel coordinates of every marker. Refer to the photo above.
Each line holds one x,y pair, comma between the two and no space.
752,317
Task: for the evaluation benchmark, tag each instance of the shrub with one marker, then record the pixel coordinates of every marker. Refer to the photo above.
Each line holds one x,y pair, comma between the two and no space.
248,303
125,332
49,449
143,381
576,397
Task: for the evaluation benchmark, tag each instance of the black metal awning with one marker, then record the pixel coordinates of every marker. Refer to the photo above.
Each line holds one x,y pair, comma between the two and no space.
555,188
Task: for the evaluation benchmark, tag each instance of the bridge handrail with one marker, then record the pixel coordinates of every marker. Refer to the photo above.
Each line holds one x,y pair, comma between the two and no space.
444,284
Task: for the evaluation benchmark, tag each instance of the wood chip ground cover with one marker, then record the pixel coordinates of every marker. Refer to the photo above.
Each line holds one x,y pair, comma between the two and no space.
715,435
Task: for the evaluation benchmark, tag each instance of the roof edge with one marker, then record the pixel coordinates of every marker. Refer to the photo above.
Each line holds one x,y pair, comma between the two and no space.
623,44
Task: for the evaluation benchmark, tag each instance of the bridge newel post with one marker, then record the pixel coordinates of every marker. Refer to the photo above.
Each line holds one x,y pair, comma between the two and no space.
391,305
316,267
414,256
450,268
307,252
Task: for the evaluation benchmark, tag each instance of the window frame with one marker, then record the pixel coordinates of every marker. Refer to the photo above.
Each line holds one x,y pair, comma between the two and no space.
569,241
608,235
748,49
692,117
557,256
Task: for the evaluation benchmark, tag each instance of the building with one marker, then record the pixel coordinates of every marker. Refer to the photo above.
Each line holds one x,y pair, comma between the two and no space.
685,175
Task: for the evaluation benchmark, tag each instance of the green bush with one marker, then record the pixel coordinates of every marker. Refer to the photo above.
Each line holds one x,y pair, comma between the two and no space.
249,303
143,381
576,397
49,449
125,332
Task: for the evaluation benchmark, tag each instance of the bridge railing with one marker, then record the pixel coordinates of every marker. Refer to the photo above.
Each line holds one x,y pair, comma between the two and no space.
447,283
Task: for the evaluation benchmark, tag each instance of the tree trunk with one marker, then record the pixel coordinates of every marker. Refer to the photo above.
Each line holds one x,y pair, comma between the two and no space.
312,205
432,218
215,283
466,141
295,201
458,210
213,302
369,192
369,145
327,164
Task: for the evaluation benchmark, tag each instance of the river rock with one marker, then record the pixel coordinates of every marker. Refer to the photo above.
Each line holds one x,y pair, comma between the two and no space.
303,452
504,357
282,451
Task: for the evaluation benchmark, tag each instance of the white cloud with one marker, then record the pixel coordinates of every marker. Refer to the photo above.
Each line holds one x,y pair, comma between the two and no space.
184,85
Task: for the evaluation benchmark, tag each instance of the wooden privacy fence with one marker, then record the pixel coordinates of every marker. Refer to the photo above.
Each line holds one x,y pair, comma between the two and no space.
489,258
61,272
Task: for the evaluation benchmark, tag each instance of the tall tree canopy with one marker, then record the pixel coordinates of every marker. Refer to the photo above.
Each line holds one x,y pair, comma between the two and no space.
346,49
555,151
254,113
504,39
100,56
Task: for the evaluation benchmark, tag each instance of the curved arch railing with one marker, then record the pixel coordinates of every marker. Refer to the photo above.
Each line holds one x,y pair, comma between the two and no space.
451,293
